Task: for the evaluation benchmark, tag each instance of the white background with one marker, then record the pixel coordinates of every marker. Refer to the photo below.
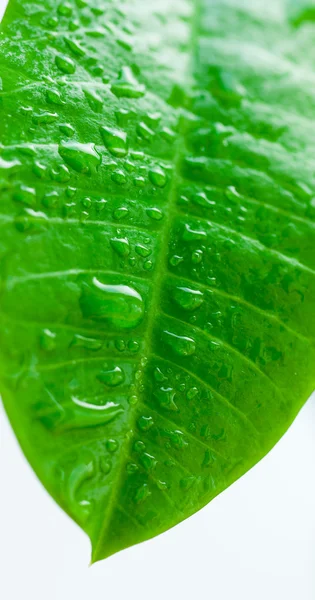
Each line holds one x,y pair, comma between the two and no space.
254,542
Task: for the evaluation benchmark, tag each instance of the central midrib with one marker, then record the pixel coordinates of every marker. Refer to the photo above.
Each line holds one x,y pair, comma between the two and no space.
165,233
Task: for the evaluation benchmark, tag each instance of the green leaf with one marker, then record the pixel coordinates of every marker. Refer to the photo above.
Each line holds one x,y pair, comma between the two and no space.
157,248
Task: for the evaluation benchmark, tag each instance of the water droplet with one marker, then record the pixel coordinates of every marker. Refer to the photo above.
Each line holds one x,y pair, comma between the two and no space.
48,340
148,461
197,256
143,250
158,375
201,199
133,346
121,213
26,195
65,64
80,341
145,423
157,177
75,47
165,397
187,298
53,97
83,158
142,493
119,177
112,445
64,9
105,465
175,260
112,377
115,141
119,305
94,100
139,446
193,235
44,118
155,214
132,468
144,131
121,246
51,199
67,129
192,393
182,345
133,400
127,85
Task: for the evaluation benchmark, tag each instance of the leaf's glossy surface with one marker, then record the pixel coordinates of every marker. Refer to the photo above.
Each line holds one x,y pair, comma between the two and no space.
157,248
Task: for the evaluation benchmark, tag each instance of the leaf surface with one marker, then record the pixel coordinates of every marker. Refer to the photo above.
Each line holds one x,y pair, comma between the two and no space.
157,248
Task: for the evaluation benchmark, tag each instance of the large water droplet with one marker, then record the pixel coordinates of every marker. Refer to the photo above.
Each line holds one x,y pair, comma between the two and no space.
127,85
112,377
187,298
94,99
83,158
65,64
119,305
121,246
115,141
182,345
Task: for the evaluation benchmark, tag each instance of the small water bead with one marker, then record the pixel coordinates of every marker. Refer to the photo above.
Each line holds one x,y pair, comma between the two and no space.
168,134
123,115
144,131
127,85
145,423
60,174
105,465
193,235
67,129
51,199
119,177
143,250
192,393
139,446
121,246
94,100
197,256
154,213
83,158
112,445
65,64
175,260
148,265
182,345
69,209
25,195
121,213
75,47
112,377
148,461
187,298
157,177
139,181
133,400
133,346
48,340
86,202
200,199
165,397
100,205
64,9
115,141
44,118
81,341
39,170
132,468
142,494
